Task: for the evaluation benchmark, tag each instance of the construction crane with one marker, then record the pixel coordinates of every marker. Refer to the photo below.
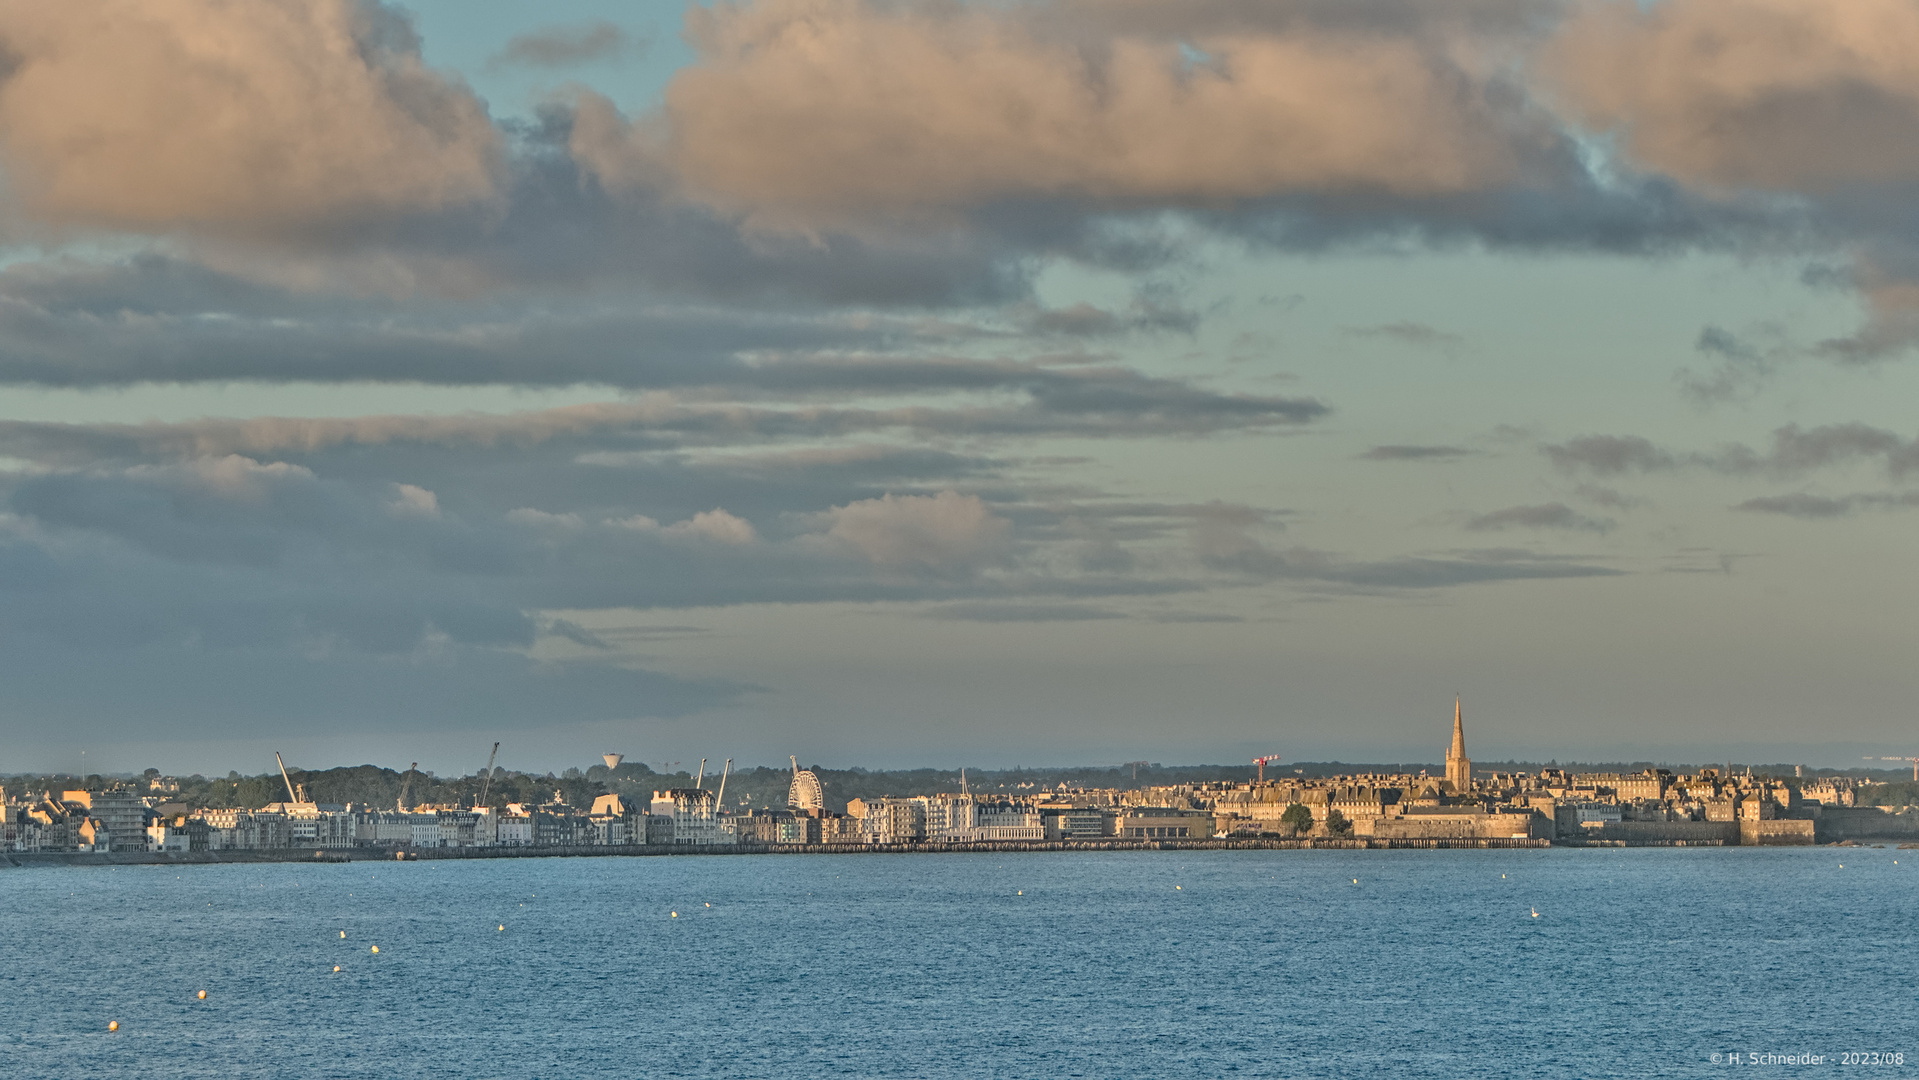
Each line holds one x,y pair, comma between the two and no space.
405,785
1915,765
292,796
700,780
487,784
1262,762
721,801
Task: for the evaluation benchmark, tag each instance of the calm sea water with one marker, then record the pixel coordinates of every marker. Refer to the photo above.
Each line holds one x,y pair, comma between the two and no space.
1641,963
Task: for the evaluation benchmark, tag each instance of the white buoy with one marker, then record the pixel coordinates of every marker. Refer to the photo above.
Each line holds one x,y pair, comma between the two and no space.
343,933
676,914
1535,913
376,948
503,928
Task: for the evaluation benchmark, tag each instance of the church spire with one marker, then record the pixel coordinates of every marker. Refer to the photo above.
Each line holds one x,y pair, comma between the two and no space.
1459,768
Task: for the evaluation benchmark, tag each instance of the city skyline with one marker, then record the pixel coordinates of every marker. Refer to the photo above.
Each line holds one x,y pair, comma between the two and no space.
626,807
1202,383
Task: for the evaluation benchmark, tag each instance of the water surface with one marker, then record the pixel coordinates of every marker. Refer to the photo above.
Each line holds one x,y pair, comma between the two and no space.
1640,963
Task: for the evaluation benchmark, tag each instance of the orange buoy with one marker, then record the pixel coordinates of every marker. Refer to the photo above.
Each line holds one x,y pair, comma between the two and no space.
376,948
676,914
202,995
503,927
113,1025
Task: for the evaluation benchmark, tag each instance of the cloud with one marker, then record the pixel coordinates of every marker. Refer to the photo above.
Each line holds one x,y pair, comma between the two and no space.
565,46
716,525
947,531
1792,451
1415,453
1548,516
1795,450
1772,95
1410,333
410,501
1309,566
1100,405
1886,277
161,320
577,634
245,119
1740,368
827,113
1224,540
1015,613
1609,455
1600,495
1806,505
1469,568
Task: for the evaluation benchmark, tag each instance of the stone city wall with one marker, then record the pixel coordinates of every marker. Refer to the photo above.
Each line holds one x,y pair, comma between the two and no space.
1865,823
1662,832
1775,832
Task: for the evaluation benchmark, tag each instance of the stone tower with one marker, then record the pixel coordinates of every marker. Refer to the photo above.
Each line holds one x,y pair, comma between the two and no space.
1459,767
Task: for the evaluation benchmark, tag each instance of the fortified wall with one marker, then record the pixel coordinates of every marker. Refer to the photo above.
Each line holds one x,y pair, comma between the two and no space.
1837,823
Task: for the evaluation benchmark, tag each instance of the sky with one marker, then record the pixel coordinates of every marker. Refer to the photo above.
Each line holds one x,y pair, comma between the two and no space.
910,383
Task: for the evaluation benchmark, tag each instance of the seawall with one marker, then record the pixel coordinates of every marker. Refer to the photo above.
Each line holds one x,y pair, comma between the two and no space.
341,855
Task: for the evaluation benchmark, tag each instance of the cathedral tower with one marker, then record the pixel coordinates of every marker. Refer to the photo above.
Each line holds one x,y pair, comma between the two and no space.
1459,767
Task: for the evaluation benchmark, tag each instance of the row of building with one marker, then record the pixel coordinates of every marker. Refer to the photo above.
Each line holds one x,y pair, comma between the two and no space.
1654,806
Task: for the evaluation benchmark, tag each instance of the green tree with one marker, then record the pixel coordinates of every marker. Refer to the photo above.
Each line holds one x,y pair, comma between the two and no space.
1337,824
1297,818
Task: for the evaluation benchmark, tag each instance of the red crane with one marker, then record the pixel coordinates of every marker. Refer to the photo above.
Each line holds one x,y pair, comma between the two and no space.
1261,762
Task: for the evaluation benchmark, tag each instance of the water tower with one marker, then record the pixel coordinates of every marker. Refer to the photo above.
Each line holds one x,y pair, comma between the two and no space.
612,760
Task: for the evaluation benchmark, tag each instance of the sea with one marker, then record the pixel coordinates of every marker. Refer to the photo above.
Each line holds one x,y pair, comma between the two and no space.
1670,962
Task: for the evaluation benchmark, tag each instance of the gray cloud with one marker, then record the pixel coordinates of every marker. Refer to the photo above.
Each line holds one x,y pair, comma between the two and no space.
1437,572
1416,453
997,613
1740,368
1547,516
1609,455
565,46
1244,556
1796,450
1410,333
1792,450
1192,617
1600,495
1806,505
